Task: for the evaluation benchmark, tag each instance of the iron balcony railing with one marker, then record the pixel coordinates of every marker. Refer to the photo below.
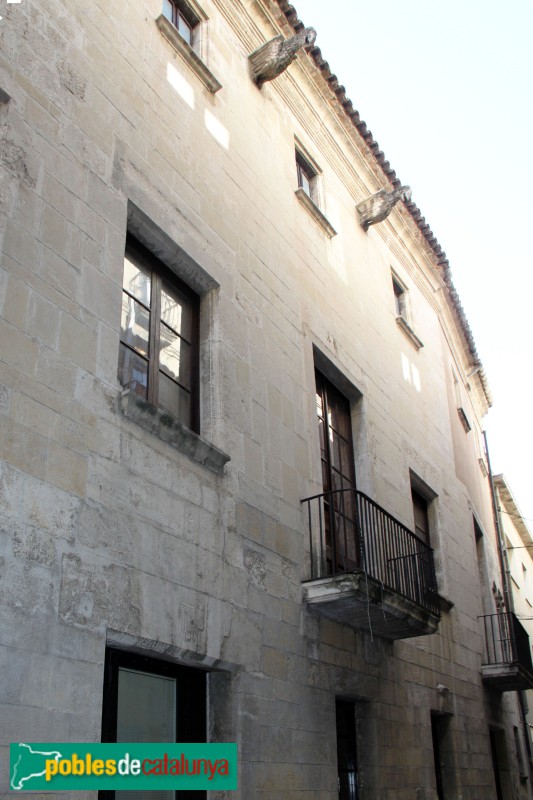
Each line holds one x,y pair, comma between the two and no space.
506,640
349,532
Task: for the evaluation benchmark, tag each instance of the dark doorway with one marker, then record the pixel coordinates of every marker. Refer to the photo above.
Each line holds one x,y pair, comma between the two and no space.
338,477
346,749
437,736
498,753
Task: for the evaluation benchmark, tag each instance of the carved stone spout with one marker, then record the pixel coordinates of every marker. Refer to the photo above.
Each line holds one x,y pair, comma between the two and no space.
273,58
378,207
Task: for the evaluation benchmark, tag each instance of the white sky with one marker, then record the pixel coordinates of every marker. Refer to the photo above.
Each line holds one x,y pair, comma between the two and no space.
445,89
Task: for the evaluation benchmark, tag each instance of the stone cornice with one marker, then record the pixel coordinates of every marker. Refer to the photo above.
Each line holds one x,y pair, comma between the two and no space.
366,135
507,499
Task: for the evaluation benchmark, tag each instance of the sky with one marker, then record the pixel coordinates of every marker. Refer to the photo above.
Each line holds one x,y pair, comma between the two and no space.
446,90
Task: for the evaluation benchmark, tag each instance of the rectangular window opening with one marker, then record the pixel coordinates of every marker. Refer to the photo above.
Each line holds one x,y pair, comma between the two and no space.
184,20
307,176
399,298
159,336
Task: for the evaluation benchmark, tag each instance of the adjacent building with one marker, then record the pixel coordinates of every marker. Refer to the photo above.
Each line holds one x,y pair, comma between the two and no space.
244,494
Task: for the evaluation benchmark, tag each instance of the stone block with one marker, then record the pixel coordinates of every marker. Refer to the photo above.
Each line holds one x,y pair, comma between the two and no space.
67,469
95,594
78,342
249,522
56,372
16,302
22,448
275,663
107,353
34,544
100,296
58,272
34,415
30,589
43,320
55,230
253,459
48,507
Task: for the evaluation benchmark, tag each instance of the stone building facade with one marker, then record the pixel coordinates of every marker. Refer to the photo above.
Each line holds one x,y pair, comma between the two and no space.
206,320
518,546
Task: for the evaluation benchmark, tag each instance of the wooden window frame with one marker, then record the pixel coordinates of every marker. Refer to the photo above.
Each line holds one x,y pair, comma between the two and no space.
181,11
160,274
340,515
400,298
306,174
191,700
422,504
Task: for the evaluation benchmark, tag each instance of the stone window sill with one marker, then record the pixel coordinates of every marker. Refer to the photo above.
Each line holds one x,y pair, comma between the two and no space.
409,332
315,212
184,49
173,432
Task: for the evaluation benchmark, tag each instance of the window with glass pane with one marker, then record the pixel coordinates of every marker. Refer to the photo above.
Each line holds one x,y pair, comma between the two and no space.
306,176
399,299
181,15
146,700
158,357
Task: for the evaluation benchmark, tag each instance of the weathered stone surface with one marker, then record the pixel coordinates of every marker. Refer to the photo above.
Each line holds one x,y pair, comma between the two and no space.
125,529
378,207
273,58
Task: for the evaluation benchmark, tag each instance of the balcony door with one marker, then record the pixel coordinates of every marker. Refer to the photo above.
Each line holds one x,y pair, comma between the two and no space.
338,478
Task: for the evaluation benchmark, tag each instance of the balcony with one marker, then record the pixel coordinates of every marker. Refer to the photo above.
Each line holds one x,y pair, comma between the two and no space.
368,570
507,663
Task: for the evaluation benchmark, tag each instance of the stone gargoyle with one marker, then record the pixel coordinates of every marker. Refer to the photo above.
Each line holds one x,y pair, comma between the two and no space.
273,57
378,207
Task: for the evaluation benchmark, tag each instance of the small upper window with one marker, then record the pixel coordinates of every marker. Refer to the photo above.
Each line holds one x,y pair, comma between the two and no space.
309,191
400,298
184,19
459,403
402,310
159,336
307,176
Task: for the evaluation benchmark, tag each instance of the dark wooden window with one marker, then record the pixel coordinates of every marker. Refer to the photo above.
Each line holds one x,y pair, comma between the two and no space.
399,299
421,516
306,176
183,18
346,749
146,700
159,332
338,476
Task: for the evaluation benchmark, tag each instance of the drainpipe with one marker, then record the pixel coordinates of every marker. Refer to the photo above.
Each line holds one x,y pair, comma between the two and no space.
508,600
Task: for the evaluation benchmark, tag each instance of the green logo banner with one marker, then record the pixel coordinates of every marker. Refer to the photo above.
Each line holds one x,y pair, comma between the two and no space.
35,767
